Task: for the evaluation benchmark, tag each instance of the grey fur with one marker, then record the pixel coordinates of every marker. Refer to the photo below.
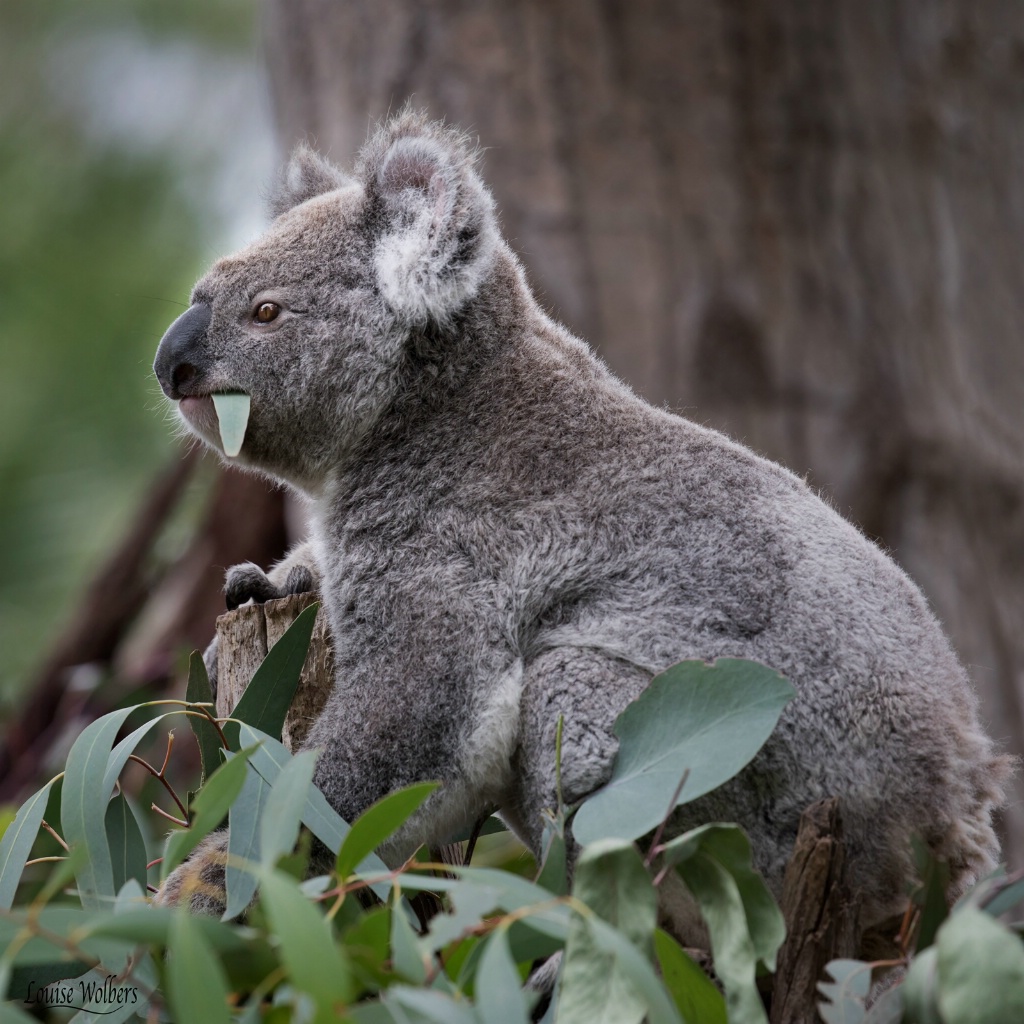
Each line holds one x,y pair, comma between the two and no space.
505,533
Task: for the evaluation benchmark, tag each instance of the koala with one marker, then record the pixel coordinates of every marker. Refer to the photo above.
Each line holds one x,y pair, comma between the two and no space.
503,533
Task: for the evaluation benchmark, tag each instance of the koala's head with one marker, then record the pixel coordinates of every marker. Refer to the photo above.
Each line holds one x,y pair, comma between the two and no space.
312,320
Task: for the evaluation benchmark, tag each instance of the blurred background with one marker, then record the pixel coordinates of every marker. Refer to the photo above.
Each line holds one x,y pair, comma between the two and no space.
800,223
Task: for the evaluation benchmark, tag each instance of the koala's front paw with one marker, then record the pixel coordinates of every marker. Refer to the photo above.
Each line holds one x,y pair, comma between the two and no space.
248,581
198,884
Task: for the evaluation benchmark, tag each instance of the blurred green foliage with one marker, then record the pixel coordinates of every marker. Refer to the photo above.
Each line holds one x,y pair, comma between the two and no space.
99,244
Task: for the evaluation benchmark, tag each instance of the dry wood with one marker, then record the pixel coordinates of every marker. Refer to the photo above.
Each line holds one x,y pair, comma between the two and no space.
245,635
820,913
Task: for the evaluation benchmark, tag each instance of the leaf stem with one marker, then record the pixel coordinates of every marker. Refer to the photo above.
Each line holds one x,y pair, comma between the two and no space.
53,832
159,775
656,841
169,817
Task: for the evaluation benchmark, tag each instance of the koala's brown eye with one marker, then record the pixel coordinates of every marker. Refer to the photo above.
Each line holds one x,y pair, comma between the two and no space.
267,311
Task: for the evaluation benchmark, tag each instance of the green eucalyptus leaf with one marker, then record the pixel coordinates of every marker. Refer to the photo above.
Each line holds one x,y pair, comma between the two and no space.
930,896
37,936
368,946
695,995
17,842
846,993
232,418
244,849
143,924
628,967
981,970
378,823
531,937
921,988
728,846
504,890
266,699
742,918
317,814
422,1006
1004,898
611,879
514,890
84,799
127,847
470,903
499,989
199,691
408,955
315,964
553,874
196,983
210,807
282,814
372,1013
703,721
119,755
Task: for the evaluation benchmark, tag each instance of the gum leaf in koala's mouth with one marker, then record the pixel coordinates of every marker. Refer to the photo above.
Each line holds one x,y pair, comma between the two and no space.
233,416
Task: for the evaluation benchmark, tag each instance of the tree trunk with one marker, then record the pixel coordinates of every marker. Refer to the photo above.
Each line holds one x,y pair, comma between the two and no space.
797,222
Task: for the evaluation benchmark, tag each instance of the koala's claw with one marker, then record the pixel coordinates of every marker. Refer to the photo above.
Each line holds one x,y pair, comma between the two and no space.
299,581
247,581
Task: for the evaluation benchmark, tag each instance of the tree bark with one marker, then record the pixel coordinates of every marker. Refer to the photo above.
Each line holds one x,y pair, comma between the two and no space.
245,635
799,223
820,912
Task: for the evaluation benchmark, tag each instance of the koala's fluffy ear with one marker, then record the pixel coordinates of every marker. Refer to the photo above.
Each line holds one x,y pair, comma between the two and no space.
439,234
308,174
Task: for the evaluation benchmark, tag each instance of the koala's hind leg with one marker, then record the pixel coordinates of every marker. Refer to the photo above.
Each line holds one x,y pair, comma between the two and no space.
588,688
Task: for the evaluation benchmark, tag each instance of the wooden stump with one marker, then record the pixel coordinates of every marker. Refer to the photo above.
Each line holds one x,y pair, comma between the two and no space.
820,913
245,635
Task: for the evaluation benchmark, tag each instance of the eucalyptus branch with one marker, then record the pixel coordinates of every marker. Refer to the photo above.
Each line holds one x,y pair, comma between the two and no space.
53,832
212,719
169,817
161,776
32,928
655,847
473,837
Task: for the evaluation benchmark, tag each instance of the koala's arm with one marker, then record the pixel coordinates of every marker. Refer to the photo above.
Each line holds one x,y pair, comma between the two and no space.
296,573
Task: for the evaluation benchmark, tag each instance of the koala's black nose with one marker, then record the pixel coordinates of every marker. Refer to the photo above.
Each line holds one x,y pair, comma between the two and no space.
182,356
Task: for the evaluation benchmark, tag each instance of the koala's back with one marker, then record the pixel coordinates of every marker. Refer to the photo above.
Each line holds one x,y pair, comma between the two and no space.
660,541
